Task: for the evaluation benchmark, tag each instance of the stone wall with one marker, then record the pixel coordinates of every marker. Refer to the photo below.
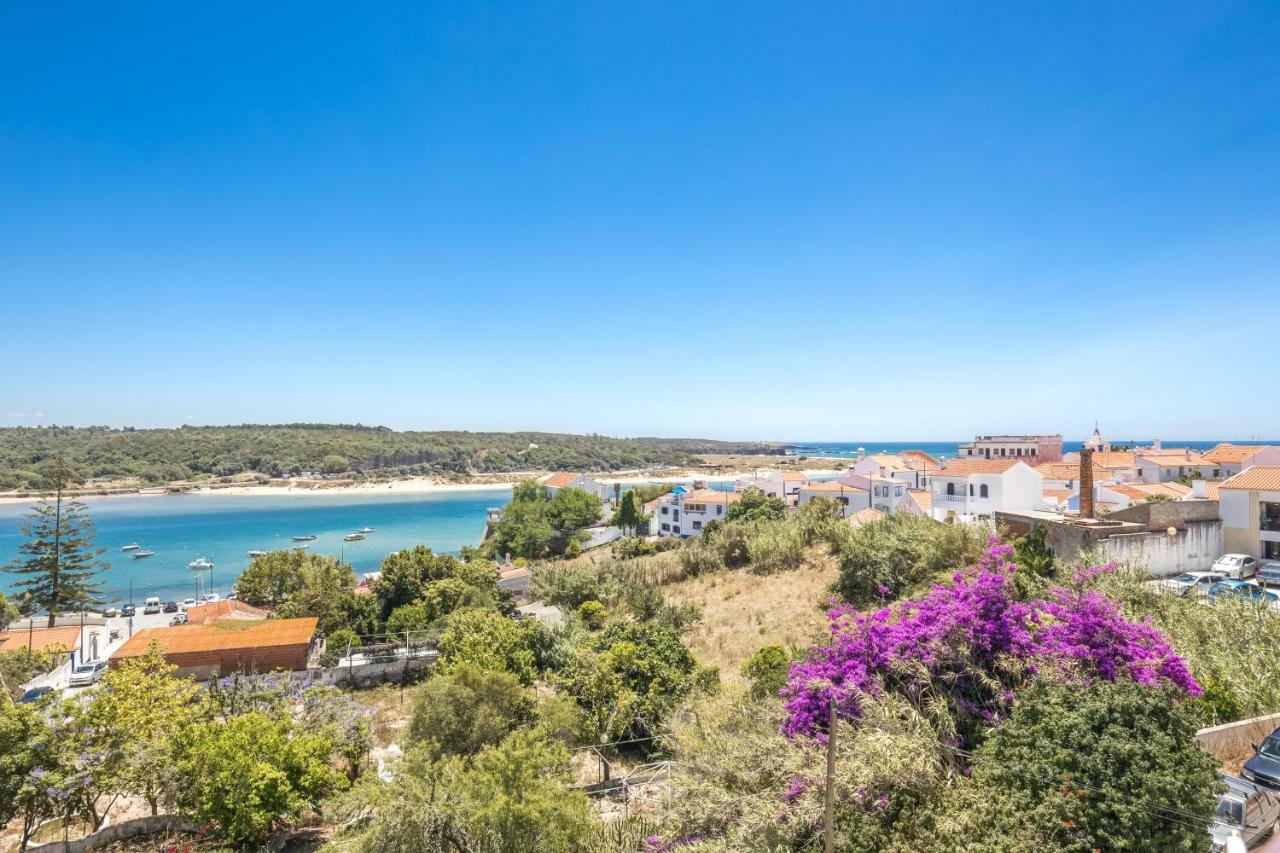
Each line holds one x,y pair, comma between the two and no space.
1193,548
120,832
1229,741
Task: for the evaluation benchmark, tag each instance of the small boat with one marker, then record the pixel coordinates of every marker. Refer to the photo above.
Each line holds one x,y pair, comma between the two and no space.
138,555
130,547
310,538
301,547
200,564
365,530
353,537
257,553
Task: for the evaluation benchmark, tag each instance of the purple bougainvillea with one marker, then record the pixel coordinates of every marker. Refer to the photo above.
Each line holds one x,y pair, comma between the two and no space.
973,641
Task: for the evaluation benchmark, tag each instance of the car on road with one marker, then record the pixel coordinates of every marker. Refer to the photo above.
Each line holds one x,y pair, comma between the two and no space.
152,606
34,694
1235,566
1269,573
1264,767
1245,808
1247,590
187,604
111,612
1192,583
88,673
180,619
128,610
171,607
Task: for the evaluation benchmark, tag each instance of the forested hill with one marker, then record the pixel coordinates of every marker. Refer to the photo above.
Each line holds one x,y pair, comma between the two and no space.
163,455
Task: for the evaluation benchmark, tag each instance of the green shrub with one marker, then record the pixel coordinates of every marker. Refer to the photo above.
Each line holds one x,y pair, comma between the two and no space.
767,671
593,614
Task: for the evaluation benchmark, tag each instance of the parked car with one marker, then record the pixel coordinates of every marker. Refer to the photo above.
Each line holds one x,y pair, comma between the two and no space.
171,607
1247,809
111,612
1193,583
128,610
180,619
1269,572
1235,566
88,673
34,694
187,604
1242,589
152,606
1264,767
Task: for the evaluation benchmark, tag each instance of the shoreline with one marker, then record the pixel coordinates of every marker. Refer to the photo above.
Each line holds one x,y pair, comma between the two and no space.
418,485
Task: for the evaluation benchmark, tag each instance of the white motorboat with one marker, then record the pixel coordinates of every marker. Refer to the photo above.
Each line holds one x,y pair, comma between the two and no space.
353,537
133,546
257,553
365,530
200,564
310,538
302,547
138,555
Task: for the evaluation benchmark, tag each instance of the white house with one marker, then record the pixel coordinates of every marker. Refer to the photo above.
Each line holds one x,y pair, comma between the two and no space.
775,484
566,480
1161,466
912,470
1249,504
883,493
975,489
1231,459
851,497
683,513
1032,449
1066,475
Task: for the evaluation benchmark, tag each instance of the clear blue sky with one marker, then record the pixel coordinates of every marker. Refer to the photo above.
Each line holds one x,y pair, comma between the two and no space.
768,220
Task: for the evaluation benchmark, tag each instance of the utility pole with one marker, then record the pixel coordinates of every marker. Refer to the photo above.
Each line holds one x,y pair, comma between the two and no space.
830,821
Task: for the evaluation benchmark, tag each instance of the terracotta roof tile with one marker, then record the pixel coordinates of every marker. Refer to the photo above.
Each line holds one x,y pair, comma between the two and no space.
833,487
202,614
559,480
711,496
66,637
866,515
922,497
965,467
1070,471
1264,478
221,636
1228,454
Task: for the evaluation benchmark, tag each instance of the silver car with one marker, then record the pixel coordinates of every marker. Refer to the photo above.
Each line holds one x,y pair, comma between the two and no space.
1247,809
88,673
1193,583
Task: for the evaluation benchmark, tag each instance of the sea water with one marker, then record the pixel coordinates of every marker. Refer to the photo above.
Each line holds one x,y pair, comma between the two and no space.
224,528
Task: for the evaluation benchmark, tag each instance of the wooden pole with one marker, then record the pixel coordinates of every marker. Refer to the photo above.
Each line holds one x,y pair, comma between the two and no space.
831,780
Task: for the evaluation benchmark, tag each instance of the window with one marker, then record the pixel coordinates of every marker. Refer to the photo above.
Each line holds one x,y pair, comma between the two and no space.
697,525
666,526
982,491
695,507
675,516
664,512
719,509
897,491
951,488
971,490
675,529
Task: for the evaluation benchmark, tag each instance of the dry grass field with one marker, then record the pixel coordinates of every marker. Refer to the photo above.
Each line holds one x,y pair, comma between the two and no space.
742,612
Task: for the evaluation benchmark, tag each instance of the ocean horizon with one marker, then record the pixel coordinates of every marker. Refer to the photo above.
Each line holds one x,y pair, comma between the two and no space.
949,449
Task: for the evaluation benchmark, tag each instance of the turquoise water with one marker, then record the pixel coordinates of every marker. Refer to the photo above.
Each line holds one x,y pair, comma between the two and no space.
180,528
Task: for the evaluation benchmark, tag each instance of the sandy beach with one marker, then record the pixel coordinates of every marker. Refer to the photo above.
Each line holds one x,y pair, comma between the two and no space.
416,485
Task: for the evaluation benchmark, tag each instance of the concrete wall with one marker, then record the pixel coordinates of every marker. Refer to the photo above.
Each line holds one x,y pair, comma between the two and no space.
1229,740
1194,548
1164,514
121,832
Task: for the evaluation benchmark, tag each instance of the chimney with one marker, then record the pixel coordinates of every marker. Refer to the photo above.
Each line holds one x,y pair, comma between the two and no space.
1198,490
1086,482
1155,444
1188,454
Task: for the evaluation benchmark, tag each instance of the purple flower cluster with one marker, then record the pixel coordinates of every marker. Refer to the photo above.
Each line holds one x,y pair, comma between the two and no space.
974,640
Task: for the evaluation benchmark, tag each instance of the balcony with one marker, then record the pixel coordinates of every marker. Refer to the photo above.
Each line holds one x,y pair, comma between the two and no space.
944,498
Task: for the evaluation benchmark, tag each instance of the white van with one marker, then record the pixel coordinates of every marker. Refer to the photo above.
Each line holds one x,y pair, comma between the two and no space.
152,605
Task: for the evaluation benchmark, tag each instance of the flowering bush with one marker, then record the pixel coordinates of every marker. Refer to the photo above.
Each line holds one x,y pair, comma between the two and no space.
970,642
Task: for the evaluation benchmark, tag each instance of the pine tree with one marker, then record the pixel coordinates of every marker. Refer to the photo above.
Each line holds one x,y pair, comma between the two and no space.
630,513
61,559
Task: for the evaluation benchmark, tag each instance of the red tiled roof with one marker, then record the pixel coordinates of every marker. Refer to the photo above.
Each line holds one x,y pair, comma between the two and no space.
922,497
866,515
202,614
965,467
1263,478
221,636
560,480
1070,471
833,487
66,637
711,496
1227,454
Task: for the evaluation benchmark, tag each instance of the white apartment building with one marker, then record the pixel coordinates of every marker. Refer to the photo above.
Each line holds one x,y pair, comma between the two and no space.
1032,449
1161,466
1249,504
910,469
684,513
975,489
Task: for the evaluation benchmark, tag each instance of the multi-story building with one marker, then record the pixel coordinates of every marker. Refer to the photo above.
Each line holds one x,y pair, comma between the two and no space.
1162,465
1249,504
912,468
975,489
684,513
1032,449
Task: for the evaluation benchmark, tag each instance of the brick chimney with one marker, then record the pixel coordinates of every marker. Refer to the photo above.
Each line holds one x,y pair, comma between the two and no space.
1086,482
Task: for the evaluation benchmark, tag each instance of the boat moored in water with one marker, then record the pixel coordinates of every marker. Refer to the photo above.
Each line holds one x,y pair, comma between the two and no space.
132,546
200,564
353,537
257,553
365,530
138,555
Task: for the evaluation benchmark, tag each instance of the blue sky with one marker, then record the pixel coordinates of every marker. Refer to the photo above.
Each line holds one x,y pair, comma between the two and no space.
812,221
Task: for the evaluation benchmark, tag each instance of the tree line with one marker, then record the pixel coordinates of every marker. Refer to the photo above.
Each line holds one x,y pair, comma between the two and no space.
165,455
